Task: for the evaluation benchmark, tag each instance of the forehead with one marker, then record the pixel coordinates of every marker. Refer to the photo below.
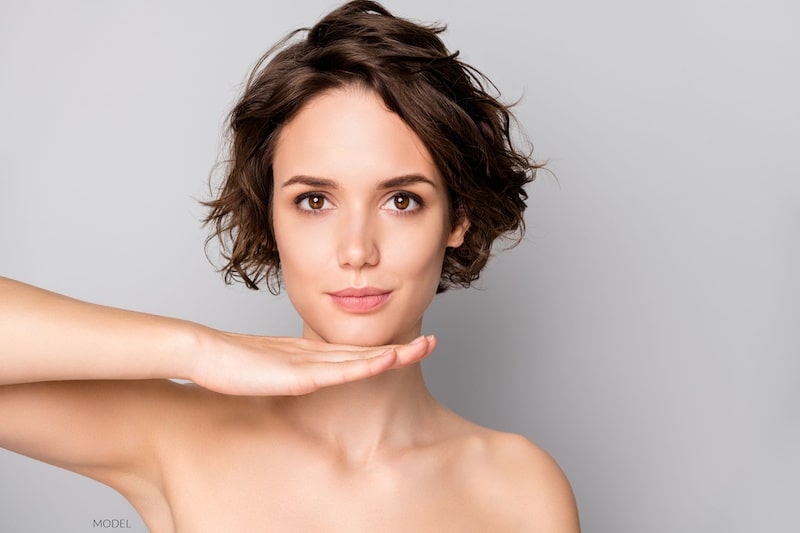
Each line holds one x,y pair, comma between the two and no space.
348,134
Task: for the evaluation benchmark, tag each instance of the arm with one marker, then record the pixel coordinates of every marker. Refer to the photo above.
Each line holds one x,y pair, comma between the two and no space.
49,337
96,428
61,362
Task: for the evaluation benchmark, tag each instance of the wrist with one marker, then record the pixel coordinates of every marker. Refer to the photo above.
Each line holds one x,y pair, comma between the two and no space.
196,351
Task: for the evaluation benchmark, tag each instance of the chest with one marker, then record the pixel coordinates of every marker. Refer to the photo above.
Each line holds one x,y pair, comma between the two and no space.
312,510
285,488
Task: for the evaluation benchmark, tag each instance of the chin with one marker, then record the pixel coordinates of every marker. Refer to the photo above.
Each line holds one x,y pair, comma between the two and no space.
359,332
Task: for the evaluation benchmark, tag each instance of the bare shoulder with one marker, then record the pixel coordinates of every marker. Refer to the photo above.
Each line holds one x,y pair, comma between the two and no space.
517,478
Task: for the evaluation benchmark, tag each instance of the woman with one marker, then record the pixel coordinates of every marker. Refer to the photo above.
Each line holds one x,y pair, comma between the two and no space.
369,170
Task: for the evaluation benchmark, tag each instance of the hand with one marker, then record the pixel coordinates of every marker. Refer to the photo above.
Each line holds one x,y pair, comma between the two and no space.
277,366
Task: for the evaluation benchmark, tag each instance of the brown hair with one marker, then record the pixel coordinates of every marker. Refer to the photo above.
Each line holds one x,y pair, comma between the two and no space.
444,101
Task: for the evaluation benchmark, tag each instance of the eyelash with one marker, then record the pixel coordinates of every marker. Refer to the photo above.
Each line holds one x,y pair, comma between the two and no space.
408,211
305,196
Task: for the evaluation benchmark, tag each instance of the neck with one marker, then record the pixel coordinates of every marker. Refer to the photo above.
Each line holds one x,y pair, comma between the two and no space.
359,420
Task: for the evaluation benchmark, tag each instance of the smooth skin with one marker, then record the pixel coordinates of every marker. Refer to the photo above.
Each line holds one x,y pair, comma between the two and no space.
332,432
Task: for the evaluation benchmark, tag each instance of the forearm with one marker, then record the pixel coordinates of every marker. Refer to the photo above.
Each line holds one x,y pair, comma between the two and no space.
46,337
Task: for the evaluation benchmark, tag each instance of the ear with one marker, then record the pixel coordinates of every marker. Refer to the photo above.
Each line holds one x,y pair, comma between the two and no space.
457,233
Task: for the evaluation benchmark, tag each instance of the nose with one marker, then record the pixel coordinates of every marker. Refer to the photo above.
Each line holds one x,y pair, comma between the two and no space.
358,244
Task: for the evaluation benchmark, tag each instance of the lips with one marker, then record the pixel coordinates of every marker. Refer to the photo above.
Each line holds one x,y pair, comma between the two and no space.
360,300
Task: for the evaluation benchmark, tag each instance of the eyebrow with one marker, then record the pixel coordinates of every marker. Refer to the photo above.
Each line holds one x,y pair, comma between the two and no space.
403,181
311,181
391,183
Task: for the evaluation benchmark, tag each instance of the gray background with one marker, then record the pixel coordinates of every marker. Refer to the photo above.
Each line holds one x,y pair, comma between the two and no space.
645,332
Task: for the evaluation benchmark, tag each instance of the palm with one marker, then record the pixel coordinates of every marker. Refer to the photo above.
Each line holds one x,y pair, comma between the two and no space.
273,366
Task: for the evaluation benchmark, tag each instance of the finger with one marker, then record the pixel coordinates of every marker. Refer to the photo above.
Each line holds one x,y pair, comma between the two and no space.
326,374
313,350
432,343
415,351
340,351
408,353
340,356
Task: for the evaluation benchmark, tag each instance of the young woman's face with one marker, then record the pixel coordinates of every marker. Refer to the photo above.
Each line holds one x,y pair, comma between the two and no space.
360,215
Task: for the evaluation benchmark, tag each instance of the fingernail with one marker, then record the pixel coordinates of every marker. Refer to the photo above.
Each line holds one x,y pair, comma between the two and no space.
430,338
418,340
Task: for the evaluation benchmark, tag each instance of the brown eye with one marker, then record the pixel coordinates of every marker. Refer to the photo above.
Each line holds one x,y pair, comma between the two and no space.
316,202
402,202
312,202
406,202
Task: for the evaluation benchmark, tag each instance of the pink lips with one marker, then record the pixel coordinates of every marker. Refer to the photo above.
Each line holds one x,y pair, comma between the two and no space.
361,300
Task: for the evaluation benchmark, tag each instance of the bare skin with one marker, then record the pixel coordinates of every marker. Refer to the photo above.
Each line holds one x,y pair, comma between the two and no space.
333,432
364,455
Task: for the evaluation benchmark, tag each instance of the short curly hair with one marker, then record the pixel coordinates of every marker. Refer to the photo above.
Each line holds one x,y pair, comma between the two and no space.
444,101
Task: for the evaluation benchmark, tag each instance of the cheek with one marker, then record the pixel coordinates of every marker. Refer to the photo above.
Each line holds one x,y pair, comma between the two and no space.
302,253
418,259
417,256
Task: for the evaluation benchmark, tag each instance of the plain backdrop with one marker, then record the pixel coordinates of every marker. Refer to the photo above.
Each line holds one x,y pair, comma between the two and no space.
646,332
